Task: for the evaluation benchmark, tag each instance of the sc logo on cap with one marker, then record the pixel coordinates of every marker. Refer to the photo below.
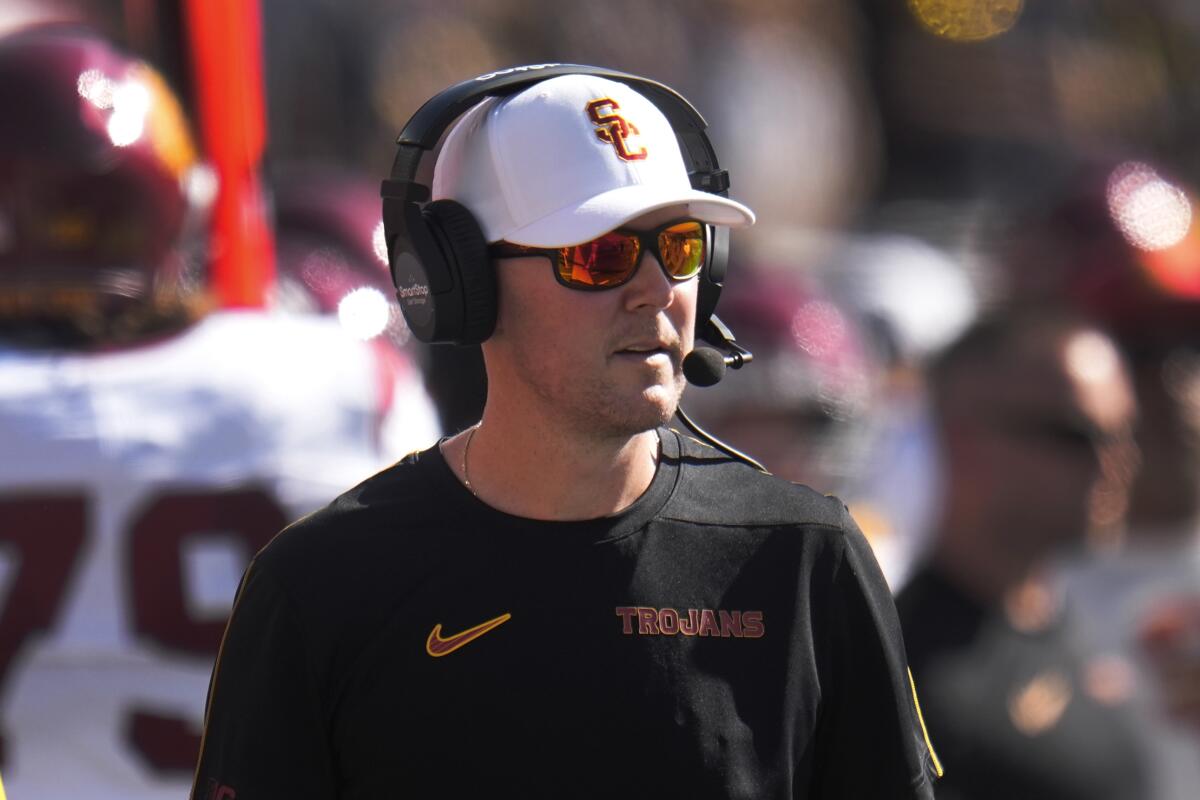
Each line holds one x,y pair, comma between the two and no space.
612,128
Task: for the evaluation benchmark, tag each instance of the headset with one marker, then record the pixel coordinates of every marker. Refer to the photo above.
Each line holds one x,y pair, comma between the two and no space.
445,281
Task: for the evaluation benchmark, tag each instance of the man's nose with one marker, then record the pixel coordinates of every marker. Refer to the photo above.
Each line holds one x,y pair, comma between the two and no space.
650,286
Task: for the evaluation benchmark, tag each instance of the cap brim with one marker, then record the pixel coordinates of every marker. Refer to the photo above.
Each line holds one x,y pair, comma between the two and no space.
612,209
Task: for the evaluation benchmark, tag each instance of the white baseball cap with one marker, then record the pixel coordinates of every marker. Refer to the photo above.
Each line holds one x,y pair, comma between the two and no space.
567,160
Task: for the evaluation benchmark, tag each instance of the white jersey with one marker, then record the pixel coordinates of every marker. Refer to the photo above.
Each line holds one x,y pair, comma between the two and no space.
134,487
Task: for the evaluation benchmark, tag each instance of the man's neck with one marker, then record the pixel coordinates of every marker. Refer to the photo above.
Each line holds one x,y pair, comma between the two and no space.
537,469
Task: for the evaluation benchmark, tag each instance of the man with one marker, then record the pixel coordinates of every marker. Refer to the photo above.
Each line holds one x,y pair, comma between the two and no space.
1134,268
148,445
1035,413
569,599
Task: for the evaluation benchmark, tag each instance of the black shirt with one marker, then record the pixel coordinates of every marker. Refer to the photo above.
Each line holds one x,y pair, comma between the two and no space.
729,635
1015,713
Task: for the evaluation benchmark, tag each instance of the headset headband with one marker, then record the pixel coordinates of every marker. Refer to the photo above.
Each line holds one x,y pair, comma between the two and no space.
426,127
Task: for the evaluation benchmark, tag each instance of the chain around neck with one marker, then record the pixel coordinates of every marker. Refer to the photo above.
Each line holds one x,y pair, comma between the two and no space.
467,449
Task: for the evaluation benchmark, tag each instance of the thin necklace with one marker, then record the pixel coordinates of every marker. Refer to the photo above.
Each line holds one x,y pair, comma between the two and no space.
467,449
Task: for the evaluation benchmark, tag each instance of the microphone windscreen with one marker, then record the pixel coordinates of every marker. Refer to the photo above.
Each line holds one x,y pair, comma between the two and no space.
704,366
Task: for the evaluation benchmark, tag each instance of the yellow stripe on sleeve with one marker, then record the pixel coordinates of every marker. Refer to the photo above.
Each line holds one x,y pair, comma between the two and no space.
921,719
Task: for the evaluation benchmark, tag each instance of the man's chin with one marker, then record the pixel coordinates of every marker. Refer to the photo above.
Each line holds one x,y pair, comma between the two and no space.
660,403
652,409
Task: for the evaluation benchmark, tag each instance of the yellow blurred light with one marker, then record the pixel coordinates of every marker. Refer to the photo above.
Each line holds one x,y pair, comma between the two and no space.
967,20
1151,213
1039,705
166,124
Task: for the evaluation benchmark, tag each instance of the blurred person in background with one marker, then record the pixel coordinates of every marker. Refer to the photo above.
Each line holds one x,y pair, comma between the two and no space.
150,443
332,261
1035,412
1119,241
913,299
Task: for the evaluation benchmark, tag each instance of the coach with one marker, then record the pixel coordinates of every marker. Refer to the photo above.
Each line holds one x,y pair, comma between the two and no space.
568,599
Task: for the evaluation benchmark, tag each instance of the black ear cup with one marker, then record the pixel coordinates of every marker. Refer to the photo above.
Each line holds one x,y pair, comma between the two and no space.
463,244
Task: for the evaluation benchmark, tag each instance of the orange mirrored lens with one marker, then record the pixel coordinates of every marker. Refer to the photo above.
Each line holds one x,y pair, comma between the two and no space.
606,261
682,249
612,259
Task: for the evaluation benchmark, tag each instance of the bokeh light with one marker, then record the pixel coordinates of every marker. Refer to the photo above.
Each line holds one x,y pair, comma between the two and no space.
131,104
1151,213
1091,357
364,312
201,184
379,242
819,329
967,20
97,89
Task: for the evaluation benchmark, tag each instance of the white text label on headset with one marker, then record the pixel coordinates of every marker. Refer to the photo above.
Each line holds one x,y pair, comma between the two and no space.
414,291
525,68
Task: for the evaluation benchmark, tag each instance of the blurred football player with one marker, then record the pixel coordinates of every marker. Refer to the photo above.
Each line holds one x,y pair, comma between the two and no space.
328,240
332,261
150,445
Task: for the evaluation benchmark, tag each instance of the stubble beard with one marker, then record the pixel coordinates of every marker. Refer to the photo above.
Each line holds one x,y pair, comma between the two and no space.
600,408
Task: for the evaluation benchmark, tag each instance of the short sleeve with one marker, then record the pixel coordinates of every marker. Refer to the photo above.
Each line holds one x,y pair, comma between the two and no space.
872,740
264,731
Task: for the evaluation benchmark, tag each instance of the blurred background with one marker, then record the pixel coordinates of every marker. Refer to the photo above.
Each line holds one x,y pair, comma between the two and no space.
973,293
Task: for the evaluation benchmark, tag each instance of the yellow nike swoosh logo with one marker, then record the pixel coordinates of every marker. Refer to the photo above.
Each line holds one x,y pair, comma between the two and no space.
438,646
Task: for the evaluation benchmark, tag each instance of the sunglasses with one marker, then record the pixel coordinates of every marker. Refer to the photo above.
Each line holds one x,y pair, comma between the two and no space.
611,260
1066,433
